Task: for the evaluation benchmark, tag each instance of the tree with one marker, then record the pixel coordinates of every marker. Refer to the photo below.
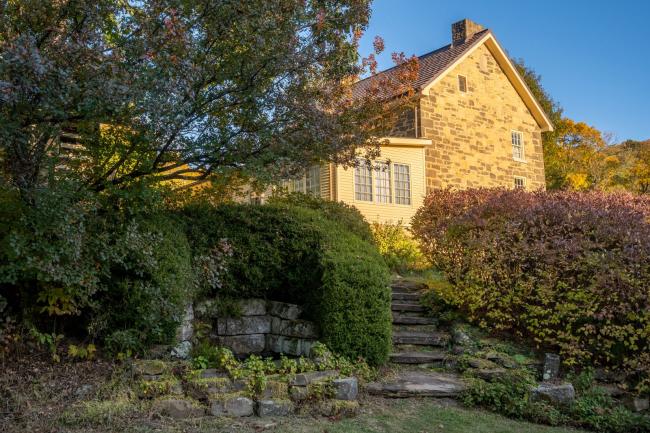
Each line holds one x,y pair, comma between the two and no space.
166,88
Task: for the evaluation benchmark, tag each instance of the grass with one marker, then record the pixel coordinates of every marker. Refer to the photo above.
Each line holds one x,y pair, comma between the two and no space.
378,416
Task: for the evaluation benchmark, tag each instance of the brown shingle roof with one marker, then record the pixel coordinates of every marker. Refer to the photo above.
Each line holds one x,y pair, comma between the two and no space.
430,65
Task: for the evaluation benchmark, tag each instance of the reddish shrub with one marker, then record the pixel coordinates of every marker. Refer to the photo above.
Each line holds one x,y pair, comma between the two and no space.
569,270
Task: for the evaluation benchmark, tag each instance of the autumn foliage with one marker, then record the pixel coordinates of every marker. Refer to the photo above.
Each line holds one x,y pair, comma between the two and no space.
568,270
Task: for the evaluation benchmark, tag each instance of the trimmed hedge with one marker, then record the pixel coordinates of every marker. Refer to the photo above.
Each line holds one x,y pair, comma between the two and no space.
290,253
568,270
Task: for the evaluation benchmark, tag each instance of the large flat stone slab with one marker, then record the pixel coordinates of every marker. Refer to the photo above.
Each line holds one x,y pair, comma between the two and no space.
408,306
421,338
243,344
293,328
406,296
433,357
244,325
419,384
403,319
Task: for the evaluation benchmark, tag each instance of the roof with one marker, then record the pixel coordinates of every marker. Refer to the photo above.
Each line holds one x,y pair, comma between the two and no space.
434,65
431,65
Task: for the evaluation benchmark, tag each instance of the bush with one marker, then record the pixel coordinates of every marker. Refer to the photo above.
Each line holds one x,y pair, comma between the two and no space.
569,270
290,253
108,265
510,395
399,249
346,215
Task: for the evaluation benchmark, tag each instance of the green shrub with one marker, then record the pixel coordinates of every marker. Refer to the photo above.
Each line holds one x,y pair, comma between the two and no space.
566,270
399,249
109,265
290,253
348,216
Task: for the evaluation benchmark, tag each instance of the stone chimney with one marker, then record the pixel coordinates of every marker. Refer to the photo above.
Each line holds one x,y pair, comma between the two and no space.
463,30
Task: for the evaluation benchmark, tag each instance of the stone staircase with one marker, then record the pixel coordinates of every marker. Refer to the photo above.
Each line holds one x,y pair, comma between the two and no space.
418,344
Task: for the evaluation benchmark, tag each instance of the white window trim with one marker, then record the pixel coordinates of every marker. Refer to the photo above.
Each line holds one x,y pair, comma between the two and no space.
523,179
391,185
410,185
523,146
372,185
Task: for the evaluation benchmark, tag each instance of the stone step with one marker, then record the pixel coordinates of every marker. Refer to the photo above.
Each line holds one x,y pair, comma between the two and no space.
415,328
403,306
433,357
402,319
405,296
419,384
421,338
407,286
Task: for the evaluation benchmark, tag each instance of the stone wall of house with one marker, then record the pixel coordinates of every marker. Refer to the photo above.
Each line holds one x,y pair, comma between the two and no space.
404,124
262,327
471,131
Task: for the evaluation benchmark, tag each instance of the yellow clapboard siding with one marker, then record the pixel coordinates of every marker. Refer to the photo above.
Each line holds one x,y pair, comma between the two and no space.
387,212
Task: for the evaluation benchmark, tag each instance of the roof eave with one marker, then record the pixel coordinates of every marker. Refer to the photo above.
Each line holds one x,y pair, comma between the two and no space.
511,72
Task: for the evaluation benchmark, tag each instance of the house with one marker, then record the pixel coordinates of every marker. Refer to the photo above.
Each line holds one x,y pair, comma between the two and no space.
475,123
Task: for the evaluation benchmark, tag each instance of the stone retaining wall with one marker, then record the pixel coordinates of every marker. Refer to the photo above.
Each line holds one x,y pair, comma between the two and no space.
262,327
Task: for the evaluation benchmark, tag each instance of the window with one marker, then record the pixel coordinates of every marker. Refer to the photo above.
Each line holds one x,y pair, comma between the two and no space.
312,180
520,182
363,182
402,184
298,185
382,183
517,145
462,83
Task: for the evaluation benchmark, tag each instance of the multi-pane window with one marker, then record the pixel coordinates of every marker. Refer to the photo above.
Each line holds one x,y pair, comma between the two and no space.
402,184
462,83
382,183
520,182
312,180
363,182
298,185
517,145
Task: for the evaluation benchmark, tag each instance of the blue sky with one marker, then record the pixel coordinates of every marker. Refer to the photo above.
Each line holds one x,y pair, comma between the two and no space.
594,56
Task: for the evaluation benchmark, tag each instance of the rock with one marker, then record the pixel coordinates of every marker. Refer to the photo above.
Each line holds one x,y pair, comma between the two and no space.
481,363
233,406
558,394
284,311
460,337
288,345
244,325
435,357
298,393
490,374
341,408
182,350
346,389
149,367
407,306
83,391
551,366
416,384
274,408
178,408
186,330
406,319
210,373
159,351
611,389
243,344
252,307
421,338
275,390
609,376
293,328
637,404
304,379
